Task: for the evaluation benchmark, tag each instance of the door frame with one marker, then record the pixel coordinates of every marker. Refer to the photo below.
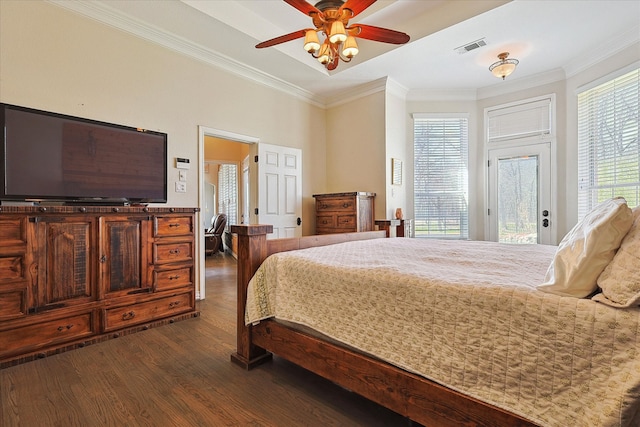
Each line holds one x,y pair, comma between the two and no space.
200,255
544,151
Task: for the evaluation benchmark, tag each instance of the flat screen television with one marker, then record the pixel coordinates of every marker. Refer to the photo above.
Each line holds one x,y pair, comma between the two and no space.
54,157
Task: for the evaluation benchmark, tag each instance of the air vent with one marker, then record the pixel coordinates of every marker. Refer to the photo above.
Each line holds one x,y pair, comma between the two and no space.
471,46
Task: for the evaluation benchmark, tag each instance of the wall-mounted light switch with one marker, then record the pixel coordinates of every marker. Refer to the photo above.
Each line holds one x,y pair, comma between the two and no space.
181,187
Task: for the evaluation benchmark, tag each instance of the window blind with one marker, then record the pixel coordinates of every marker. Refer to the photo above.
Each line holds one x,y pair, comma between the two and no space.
441,177
608,148
523,120
228,185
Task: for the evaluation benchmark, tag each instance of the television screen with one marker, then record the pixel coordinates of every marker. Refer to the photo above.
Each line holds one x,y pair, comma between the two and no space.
49,156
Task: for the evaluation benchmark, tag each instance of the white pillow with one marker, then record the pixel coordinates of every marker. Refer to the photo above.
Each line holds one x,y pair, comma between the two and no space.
620,280
587,249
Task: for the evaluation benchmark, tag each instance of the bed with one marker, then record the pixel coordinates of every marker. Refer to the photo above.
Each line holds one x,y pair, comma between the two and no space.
481,346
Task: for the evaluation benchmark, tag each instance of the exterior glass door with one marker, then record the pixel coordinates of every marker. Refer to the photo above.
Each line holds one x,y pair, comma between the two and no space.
520,195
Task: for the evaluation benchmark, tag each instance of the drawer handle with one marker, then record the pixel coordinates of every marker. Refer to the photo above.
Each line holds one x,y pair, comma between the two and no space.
176,277
62,328
325,222
324,206
174,225
128,315
345,205
174,251
174,304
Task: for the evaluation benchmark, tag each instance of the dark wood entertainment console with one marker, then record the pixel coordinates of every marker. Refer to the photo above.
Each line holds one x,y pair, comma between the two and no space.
72,276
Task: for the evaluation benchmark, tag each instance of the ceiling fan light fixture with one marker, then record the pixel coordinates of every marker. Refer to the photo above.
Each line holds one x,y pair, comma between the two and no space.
331,18
325,53
350,47
311,41
504,67
337,33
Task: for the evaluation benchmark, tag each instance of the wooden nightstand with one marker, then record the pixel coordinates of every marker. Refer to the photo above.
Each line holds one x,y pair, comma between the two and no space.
396,227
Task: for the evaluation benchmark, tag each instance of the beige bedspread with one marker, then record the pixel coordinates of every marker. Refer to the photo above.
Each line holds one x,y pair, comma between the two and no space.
466,315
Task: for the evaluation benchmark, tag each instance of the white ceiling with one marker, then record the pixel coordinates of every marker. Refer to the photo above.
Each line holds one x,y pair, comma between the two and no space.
552,39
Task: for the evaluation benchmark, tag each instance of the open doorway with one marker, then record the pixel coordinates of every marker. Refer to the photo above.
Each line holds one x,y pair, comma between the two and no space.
220,153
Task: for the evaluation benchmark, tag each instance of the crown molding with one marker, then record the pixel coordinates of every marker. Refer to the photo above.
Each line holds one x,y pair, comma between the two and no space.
106,15
357,92
602,52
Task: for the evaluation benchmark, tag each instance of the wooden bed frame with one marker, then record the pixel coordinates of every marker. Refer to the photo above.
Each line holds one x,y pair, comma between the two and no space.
410,395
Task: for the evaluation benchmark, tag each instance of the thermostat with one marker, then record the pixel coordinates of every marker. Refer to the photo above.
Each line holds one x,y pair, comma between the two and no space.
182,163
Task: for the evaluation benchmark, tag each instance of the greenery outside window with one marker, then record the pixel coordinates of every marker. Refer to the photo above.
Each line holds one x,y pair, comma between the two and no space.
608,147
441,145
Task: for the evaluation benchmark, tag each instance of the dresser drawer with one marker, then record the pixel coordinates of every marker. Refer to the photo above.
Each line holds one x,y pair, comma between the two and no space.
122,317
43,334
13,302
12,268
172,252
335,204
347,222
12,231
170,226
326,221
169,279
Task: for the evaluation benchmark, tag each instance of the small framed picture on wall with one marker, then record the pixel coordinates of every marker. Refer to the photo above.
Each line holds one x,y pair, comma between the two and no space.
396,171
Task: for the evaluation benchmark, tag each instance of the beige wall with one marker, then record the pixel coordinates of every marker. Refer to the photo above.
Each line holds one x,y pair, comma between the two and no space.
356,148
56,60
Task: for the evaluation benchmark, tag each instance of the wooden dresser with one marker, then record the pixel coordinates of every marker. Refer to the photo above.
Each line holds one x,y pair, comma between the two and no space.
344,212
72,276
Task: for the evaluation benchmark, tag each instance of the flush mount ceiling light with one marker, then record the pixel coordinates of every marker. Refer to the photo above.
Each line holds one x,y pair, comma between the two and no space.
331,18
504,67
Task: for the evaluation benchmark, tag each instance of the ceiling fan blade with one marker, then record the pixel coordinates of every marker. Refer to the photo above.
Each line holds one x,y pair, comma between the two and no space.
378,34
282,39
303,6
357,6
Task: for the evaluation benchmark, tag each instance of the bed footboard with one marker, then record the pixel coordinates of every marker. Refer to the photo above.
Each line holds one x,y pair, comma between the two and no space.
410,395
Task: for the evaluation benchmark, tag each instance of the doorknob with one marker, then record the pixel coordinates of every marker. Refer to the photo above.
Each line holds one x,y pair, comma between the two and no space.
545,213
299,221
545,222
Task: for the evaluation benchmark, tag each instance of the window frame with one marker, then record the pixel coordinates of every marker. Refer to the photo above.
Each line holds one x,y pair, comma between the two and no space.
461,178
589,124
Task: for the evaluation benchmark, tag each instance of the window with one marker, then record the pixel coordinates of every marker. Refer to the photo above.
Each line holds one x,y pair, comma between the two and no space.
441,176
608,148
228,184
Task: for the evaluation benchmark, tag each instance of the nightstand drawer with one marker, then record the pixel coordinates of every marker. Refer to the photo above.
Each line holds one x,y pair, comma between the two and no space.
170,226
122,317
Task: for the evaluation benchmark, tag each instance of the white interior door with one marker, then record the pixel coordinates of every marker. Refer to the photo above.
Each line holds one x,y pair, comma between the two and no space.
280,189
520,194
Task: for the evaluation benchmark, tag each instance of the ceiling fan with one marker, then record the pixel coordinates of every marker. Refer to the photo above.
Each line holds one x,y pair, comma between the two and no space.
331,17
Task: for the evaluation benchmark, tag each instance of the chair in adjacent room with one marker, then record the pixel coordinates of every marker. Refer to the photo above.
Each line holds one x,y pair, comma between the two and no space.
213,236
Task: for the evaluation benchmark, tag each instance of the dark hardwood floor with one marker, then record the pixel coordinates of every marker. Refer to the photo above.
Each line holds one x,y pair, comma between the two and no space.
178,375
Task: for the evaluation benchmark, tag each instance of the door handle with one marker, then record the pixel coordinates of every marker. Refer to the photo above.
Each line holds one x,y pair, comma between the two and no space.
545,222
299,221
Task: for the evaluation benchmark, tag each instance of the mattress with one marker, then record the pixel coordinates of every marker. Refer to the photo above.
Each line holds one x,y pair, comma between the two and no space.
465,314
